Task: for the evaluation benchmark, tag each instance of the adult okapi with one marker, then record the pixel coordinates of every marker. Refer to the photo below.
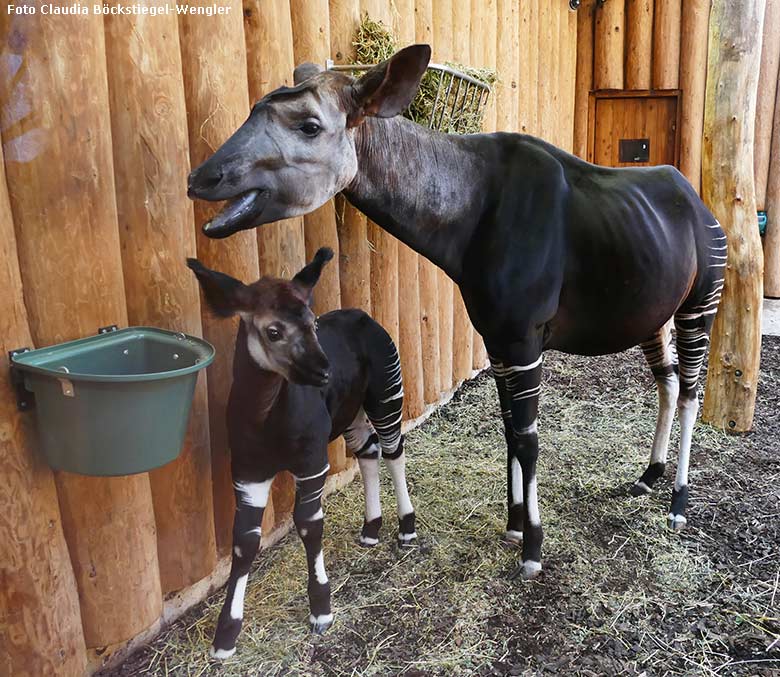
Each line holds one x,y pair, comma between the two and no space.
549,251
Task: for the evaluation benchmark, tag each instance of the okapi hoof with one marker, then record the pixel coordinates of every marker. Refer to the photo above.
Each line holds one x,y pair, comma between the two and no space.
407,540
369,536
527,570
406,531
639,488
320,624
676,522
512,538
221,654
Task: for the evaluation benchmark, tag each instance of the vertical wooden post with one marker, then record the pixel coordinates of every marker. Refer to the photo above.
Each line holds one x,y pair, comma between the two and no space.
410,335
61,185
270,64
442,43
462,331
608,45
772,239
693,77
355,253
568,77
429,297
156,229
639,43
585,28
728,190
507,66
311,42
216,93
547,47
39,604
765,105
666,44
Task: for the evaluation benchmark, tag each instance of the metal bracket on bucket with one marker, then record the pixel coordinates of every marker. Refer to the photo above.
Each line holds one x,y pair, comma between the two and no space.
25,400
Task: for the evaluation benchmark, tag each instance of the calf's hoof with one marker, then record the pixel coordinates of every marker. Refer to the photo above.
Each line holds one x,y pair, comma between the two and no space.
676,522
639,488
320,624
369,536
221,654
367,541
512,538
527,570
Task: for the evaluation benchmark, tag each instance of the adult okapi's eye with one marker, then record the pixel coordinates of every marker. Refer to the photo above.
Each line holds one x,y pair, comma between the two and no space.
274,333
310,128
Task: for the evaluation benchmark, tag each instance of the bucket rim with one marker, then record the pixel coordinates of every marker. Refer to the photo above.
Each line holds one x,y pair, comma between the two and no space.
29,361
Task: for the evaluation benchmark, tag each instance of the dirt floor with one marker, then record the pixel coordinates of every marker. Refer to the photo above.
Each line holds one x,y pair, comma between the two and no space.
619,594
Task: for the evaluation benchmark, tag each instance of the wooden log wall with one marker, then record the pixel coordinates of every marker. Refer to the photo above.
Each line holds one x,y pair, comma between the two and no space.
728,189
767,148
97,176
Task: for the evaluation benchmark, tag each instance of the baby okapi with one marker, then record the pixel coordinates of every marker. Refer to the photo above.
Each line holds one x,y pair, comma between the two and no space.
298,383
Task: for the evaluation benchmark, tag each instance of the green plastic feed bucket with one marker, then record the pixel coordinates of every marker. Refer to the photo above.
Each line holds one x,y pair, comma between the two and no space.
117,403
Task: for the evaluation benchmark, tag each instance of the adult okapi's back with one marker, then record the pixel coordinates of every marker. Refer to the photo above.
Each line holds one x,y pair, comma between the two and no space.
549,251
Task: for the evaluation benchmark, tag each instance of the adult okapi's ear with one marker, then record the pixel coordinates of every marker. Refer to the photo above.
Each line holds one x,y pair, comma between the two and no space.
305,71
388,88
309,275
224,294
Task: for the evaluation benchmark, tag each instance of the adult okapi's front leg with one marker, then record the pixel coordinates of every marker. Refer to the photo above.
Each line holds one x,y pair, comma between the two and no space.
308,518
251,499
520,369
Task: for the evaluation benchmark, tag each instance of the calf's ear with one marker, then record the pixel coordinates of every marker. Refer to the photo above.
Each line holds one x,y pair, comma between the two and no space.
389,87
305,70
309,275
224,294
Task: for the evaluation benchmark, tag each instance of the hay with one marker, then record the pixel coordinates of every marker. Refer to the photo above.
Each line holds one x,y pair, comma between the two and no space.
620,594
458,109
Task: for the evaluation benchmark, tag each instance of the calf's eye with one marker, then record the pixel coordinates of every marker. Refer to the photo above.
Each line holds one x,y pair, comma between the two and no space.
310,128
273,333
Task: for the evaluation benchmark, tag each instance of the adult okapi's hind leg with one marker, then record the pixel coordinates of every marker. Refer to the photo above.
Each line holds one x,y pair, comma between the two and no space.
518,375
662,359
693,323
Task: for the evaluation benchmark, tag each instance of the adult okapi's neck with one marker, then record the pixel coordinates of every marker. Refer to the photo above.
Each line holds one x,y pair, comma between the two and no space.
426,188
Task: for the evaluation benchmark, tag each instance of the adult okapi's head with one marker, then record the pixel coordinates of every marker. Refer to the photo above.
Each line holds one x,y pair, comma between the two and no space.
280,326
297,148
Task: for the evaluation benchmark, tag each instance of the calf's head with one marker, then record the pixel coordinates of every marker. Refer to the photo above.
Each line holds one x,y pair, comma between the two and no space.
297,148
280,325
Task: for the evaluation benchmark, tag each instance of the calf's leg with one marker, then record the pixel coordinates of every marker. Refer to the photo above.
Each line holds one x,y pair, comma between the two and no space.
251,499
308,518
363,442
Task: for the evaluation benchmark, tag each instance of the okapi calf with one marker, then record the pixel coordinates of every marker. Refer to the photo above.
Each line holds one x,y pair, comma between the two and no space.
298,383
549,251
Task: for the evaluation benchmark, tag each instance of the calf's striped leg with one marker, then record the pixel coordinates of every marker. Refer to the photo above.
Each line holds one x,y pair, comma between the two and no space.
308,518
660,355
251,499
521,372
384,408
363,442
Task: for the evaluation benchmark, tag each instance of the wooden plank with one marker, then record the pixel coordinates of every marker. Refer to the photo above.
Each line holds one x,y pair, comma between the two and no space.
149,128
462,331
39,605
693,77
270,64
216,94
355,253
569,80
772,238
666,44
765,106
311,42
442,43
728,190
527,79
61,185
639,43
608,45
584,77
428,273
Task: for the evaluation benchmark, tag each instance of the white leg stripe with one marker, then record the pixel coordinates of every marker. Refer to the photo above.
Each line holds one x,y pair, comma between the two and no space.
397,468
319,569
311,477
369,471
532,504
237,603
517,482
221,654
254,494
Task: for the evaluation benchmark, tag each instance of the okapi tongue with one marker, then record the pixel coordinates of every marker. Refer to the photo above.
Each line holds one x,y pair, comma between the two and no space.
238,214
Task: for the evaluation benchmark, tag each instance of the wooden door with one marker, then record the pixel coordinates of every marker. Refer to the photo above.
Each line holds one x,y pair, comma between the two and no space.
634,129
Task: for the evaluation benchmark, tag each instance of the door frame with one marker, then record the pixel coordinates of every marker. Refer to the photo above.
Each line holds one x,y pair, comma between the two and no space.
595,95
